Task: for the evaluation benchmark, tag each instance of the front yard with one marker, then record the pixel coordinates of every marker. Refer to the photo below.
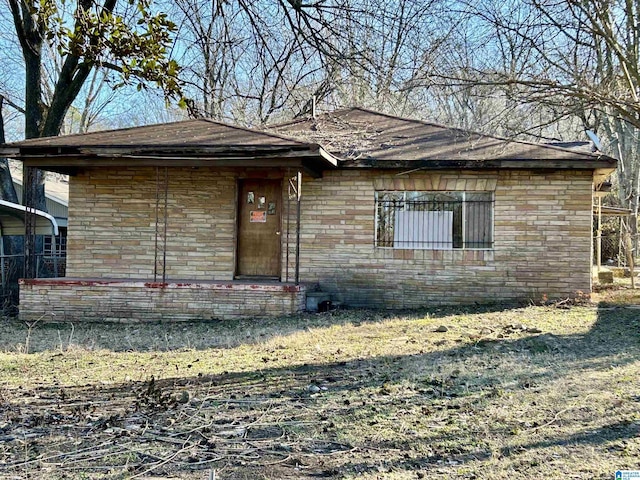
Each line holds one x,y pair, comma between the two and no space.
533,392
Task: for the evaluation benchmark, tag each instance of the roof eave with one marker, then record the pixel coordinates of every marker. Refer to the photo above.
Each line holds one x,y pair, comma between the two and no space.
9,152
328,157
605,164
312,159
601,174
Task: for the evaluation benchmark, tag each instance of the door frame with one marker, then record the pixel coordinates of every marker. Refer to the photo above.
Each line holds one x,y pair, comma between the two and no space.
239,198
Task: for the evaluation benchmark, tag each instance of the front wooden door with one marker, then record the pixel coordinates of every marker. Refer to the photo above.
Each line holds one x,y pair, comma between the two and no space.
259,239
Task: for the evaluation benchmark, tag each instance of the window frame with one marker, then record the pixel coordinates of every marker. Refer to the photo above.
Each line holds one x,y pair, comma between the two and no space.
60,244
463,195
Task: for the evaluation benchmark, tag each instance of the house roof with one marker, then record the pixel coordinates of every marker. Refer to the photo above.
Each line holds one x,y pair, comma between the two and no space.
188,133
365,139
187,143
56,206
349,138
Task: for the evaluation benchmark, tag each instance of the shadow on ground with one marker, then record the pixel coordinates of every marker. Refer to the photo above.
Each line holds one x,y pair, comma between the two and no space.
402,403
144,337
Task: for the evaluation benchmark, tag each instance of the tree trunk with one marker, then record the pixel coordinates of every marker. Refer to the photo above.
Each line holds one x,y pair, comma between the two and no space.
11,262
33,194
33,85
7,189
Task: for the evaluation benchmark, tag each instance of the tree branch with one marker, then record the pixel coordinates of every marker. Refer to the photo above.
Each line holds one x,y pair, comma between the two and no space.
13,105
19,24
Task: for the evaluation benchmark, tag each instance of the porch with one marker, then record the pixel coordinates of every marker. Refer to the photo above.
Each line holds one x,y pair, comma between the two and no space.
199,200
167,254
139,300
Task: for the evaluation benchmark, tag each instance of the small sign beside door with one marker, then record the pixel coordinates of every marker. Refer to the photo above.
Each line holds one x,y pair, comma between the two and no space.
257,216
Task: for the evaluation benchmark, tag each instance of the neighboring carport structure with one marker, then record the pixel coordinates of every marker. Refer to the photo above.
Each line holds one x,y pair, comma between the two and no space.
12,220
12,223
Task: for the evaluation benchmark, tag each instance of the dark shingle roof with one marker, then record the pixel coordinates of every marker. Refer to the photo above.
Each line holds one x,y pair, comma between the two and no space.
190,143
359,138
365,138
188,133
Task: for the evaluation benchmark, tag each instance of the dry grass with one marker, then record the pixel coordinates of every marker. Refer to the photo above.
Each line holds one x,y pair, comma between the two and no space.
537,392
619,293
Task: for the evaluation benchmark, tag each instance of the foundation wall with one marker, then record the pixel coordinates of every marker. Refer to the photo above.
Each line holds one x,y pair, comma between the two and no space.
139,301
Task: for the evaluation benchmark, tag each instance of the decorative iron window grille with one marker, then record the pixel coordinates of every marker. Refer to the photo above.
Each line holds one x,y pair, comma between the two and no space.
434,220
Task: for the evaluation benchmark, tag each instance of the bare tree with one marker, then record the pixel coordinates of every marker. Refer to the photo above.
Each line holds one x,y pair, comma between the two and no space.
558,68
253,62
552,52
245,61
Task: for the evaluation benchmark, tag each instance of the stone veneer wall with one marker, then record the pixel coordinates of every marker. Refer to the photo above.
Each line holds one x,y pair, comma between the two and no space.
67,299
542,237
112,222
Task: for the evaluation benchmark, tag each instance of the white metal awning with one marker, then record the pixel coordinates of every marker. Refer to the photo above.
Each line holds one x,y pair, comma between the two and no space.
12,220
